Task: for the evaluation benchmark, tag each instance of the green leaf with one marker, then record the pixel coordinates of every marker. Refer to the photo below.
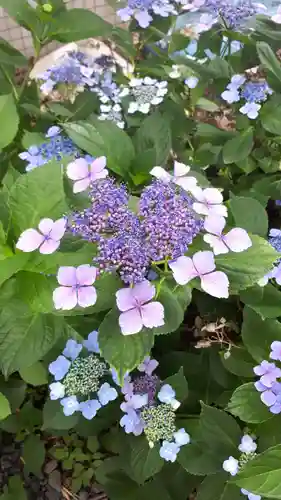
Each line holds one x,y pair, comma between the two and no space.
103,139
174,304
25,337
35,374
246,404
219,430
33,454
11,265
79,24
5,409
8,116
269,433
238,148
15,490
256,221
144,461
266,301
269,59
54,419
199,460
124,353
216,487
240,362
261,475
179,384
246,268
204,103
36,195
271,115
11,56
154,134
258,334
14,390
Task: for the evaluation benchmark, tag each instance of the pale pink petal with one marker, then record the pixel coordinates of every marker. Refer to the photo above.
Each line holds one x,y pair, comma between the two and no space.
217,210
45,226
98,165
152,314
200,208
65,298
187,183
130,322
215,284
77,169
87,296
125,299
238,240
82,185
214,224
213,196
198,194
204,262
216,243
144,291
29,240
160,173
183,270
58,229
49,246
86,274
180,169
67,276
99,175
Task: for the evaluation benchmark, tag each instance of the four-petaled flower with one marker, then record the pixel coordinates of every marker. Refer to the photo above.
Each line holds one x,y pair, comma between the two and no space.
268,373
46,239
169,451
106,393
132,423
91,343
209,202
76,287
275,352
247,444
137,310
70,405
89,408
236,240
148,365
180,176
59,367
231,465
84,173
201,265
167,395
181,437
72,349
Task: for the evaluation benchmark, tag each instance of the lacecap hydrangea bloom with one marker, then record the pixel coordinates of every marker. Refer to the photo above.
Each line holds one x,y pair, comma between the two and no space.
252,92
247,449
143,93
149,408
143,11
81,378
55,148
269,383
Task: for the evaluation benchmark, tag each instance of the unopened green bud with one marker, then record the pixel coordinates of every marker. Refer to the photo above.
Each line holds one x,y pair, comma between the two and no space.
47,7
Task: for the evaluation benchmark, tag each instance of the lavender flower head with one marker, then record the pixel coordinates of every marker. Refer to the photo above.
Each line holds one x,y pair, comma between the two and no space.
269,384
149,408
143,10
253,93
233,13
81,379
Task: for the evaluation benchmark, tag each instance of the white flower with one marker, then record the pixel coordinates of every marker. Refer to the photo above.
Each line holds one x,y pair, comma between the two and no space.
175,73
247,444
167,395
231,465
191,82
57,390
180,178
181,437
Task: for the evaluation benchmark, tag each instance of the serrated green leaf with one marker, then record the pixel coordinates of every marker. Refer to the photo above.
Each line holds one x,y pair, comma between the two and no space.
256,221
240,362
266,301
144,461
246,404
123,352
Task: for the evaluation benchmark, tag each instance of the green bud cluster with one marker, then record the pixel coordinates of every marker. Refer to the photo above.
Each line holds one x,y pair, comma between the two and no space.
84,375
245,458
160,422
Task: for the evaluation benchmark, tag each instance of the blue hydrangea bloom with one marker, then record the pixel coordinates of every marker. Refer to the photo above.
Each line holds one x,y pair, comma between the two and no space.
132,423
57,390
181,437
91,343
166,394
106,394
89,408
72,349
59,367
169,451
70,405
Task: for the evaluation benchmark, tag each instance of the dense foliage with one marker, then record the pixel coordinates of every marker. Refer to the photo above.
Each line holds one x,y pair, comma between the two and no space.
140,248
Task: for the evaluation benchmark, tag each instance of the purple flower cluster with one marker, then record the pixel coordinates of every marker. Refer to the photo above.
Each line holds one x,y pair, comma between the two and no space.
268,384
57,146
234,14
80,378
169,222
252,92
144,10
149,408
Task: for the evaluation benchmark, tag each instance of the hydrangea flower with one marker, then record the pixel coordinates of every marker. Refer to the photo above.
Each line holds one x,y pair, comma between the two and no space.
236,240
142,11
57,146
234,14
113,113
275,352
250,109
79,380
252,92
84,174
46,239
179,177
137,310
144,93
148,365
76,287
91,343
247,444
231,465
268,385
149,408
268,373
191,82
209,202
201,265
251,496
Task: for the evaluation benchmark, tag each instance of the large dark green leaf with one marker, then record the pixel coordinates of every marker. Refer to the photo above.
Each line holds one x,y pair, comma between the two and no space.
144,461
246,404
266,301
258,334
154,134
79,24
256,221
238,148
8,116
216,487
269,59
33,454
